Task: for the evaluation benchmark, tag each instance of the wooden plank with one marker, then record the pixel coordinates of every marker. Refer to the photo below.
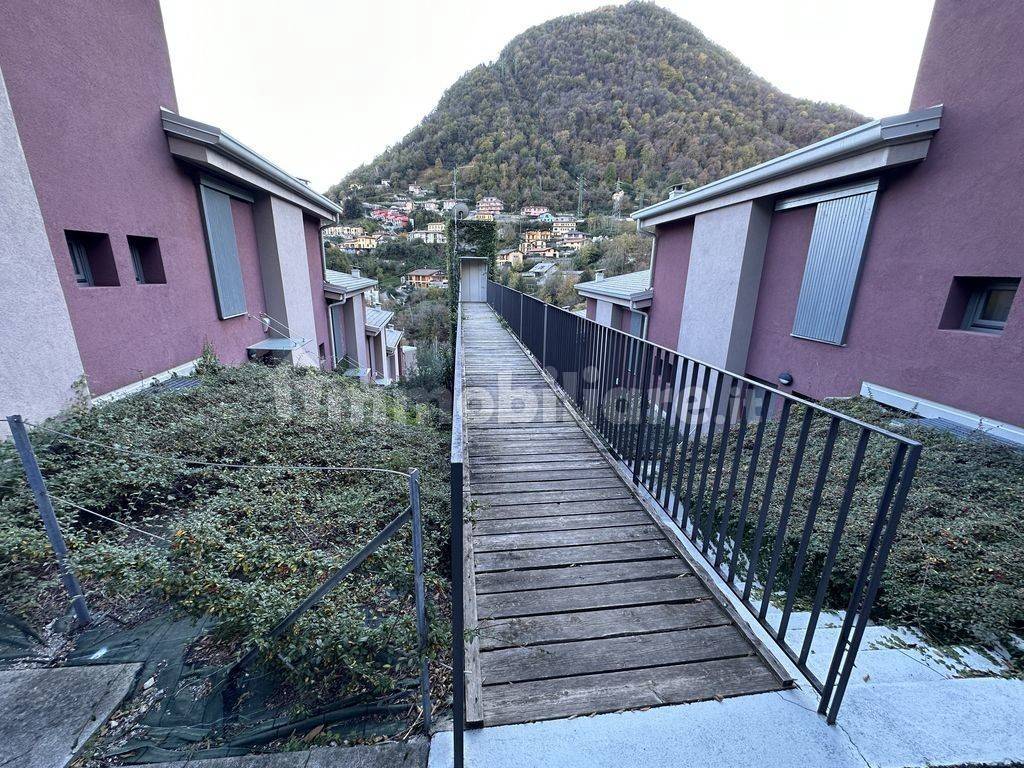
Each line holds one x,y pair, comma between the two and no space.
579,575
474,690
608,480
560,522
554,465
519,542
502,605
588,625
547,497
549,510
555,556
587,657
614,691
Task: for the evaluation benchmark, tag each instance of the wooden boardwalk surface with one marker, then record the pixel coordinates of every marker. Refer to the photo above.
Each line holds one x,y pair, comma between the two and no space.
580,602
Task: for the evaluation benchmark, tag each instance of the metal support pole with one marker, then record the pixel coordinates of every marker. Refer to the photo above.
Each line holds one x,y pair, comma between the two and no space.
421,601
42,496
544,339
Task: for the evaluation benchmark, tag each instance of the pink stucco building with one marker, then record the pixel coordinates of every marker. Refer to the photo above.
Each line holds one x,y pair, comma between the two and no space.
134,235
884,261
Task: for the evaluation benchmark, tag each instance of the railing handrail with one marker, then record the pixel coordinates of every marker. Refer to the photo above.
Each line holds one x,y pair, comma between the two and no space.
457,522
796,399
457,390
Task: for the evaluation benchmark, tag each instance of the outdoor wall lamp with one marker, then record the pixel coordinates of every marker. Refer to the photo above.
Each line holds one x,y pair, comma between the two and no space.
785,378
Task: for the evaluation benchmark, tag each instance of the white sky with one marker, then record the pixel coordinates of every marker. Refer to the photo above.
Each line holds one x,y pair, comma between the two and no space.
321,86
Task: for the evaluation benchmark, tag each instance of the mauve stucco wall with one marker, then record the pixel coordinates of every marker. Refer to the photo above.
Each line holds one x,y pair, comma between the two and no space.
960,212
671,261
87,81
316,285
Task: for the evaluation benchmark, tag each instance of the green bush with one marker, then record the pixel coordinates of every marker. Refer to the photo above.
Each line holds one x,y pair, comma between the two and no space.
246,545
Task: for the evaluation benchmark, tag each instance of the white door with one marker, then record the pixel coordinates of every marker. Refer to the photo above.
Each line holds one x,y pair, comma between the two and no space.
473,280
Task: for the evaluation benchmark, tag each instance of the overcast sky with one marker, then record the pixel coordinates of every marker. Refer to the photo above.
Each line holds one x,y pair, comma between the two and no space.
321,86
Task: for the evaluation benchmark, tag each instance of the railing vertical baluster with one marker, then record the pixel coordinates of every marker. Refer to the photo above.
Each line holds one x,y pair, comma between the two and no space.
805,537
668,409
787,508
698,510
686,403
646,366
730,492
698,430
719,465
754,559
833,547
755,455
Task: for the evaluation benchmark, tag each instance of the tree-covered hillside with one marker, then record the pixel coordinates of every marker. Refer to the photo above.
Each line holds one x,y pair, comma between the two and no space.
629,95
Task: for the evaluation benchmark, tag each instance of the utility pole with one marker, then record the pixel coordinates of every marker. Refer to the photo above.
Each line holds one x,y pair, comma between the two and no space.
579,196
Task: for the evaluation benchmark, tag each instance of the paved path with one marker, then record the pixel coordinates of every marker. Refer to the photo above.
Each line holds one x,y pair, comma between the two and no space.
46,715
581,601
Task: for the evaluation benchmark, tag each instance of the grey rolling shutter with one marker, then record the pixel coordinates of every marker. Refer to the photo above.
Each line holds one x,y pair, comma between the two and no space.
833,267
220,241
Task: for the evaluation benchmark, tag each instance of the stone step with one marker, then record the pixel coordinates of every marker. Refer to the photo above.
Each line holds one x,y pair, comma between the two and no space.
47,715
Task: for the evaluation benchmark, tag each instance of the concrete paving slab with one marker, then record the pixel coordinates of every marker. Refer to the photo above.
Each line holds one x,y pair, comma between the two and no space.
772,728
953,722
410,754
46,715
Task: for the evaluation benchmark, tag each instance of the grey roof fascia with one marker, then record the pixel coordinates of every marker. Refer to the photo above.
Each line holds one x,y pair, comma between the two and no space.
213,137
877,134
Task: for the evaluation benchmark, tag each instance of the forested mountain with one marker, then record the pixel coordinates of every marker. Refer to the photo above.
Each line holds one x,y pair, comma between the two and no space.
629,95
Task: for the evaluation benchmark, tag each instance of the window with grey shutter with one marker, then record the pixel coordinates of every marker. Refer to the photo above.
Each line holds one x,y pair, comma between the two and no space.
223,249
841,225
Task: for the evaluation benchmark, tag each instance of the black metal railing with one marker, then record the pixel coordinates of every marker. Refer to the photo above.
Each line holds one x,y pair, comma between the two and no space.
793,505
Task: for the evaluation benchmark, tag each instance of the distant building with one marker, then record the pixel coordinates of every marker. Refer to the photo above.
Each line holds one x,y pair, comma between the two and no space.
533,211
428,236
573,240
547,217
619,302
417,191
343,230
481,216
436,226
510,256
423,277
535,235
362,337
491,205
361,243
563,225
430,205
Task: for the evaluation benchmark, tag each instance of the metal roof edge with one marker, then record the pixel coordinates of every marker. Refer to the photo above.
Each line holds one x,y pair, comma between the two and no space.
211,136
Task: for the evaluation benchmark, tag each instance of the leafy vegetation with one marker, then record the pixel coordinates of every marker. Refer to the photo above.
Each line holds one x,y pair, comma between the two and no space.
244,545
629,96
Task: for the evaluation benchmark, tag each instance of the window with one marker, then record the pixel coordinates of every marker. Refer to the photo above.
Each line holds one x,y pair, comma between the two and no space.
989,304
149,267
223,250
92,260
842,219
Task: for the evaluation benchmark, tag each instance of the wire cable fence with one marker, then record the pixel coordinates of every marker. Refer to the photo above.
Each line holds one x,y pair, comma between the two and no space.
793,505
224,705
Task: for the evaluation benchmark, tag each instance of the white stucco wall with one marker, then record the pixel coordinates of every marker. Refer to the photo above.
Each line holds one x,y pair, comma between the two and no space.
603,312
284,267
722,283
39,360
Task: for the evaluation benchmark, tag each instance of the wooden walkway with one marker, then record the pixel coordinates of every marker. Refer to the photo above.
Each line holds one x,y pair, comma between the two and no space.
581,602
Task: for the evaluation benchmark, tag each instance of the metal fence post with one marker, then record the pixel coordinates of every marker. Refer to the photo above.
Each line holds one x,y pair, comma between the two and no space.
544,339
421,603
42,496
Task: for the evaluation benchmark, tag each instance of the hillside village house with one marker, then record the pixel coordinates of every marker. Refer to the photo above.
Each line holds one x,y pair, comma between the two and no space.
885,261
510,257
533,211
361,243
134,236
424,277
490,204
431,237
563,225
344,230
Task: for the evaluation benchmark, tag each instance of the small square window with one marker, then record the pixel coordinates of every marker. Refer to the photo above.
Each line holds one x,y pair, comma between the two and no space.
91,258
149,267
988,305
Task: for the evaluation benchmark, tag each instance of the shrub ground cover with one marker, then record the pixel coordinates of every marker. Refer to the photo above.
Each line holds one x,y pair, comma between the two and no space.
245,546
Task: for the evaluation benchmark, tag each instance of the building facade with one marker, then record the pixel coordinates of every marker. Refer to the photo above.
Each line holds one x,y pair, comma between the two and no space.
885,261
136,236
